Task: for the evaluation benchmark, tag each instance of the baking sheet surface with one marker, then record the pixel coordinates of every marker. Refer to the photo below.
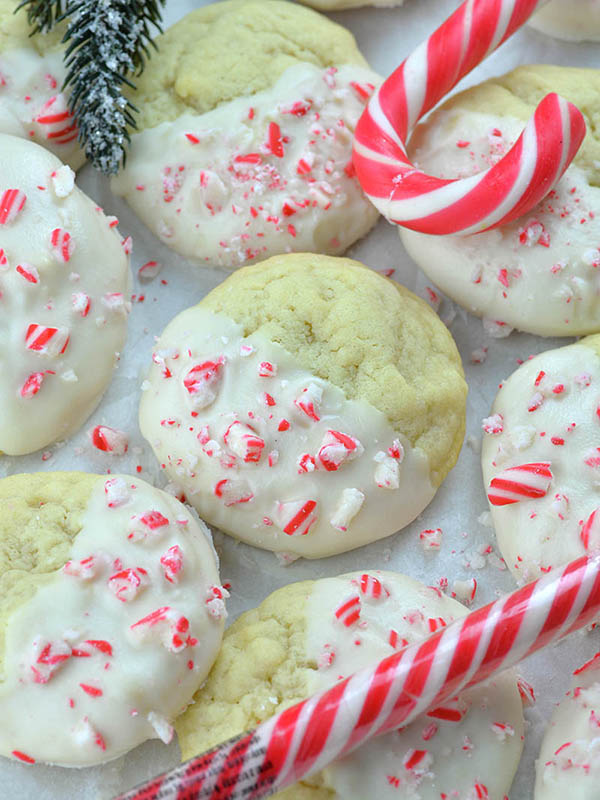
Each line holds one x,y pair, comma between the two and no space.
385,36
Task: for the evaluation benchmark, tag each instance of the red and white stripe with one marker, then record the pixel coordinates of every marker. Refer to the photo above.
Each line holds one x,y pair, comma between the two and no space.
244,442
348,612
512,187
372,588
12,203
33,384
202,382
336,448
109,440
306,737
525,482
590,532
62,244
55,121
297,516
45,340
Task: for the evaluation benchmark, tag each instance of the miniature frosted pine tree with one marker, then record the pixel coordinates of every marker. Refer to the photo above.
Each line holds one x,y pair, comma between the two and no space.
108,42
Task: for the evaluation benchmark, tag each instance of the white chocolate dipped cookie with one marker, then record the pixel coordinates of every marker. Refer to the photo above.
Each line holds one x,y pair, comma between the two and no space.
244,146
576,20
540,272
111,615
304,637
569,761
541,461
32,73
64,299
307,405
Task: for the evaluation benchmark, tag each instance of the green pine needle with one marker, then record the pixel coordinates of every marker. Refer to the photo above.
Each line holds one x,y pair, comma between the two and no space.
107,42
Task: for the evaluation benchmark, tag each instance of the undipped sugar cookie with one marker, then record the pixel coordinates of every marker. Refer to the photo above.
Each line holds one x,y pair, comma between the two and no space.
569,762
244,142
32,73
111,615
577,20
305,637
64,299
541,460
306,405
540,272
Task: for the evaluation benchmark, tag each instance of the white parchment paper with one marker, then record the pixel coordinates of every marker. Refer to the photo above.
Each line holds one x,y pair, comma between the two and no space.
385,36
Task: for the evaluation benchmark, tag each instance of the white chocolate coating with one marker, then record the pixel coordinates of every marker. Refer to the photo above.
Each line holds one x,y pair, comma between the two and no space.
253,481
569,762
115,683
561,428
574,20
260,175
477,751
32,105
64,299
539,273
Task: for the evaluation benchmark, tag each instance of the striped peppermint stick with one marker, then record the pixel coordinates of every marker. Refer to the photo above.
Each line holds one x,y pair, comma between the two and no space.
408,196
308,736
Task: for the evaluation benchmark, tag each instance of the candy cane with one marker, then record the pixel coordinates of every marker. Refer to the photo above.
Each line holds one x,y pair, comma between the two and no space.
509,189
426,675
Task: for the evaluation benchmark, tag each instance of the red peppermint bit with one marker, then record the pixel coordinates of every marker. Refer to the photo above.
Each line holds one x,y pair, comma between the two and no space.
172,563
81,303
284,425
435,623
267,370
336,447
302,520
109,440
33,384
93,691
23,757
370,586
57,121
454,710
191,138
12,203
526,691
249,158
28,272
126,584
299,108
149,270
307,402
244,442
364,91
414,758
62,244
45,340
275,142
348,613
101,645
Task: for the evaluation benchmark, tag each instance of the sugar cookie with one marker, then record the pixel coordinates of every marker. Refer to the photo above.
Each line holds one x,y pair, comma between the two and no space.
32,73
541,463
245,135
64,299
306,405
539,273
297,642
111,615
569,762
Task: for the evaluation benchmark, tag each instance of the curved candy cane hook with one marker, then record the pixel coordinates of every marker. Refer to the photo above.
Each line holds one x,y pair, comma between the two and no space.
407,196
